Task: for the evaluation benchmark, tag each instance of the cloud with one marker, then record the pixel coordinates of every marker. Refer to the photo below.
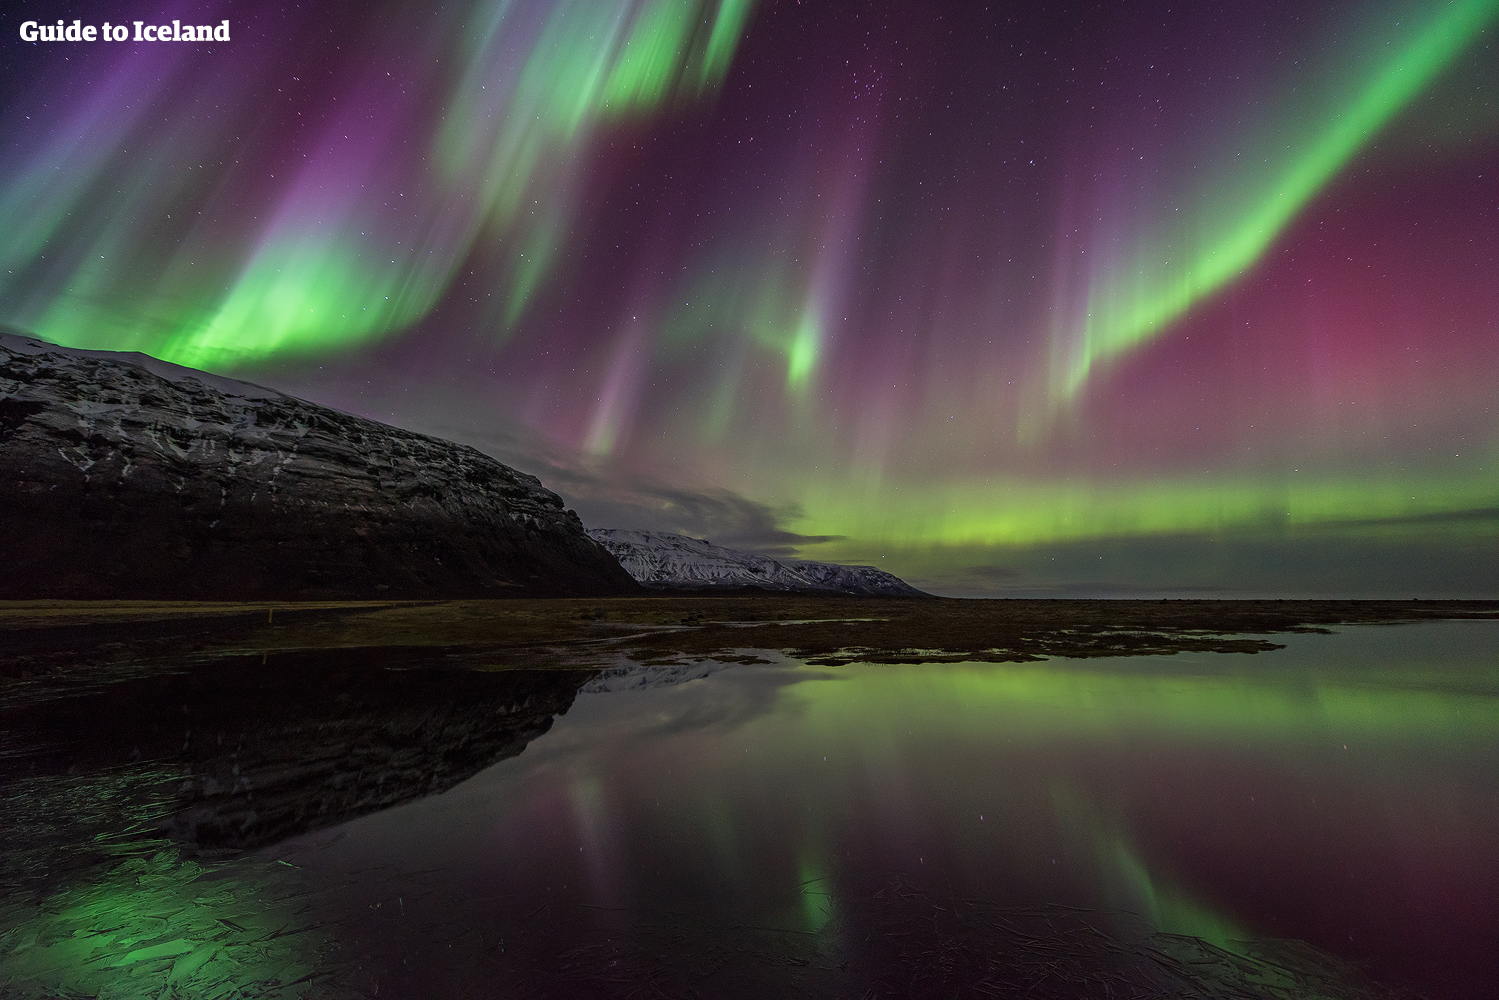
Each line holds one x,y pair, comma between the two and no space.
982,580
1476,514
719,515
990,572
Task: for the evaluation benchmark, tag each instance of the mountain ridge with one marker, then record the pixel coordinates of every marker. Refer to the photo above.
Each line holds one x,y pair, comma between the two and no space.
666,561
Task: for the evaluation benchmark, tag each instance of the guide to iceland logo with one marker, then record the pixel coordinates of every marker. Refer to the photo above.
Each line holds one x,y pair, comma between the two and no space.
136,31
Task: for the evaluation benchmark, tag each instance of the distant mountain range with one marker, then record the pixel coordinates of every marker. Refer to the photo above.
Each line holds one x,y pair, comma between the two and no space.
122,476
665,561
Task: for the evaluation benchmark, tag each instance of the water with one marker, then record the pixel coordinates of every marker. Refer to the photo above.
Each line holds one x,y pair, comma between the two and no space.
1321,820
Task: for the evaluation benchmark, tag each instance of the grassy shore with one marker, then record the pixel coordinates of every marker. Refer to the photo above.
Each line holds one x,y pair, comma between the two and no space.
46,637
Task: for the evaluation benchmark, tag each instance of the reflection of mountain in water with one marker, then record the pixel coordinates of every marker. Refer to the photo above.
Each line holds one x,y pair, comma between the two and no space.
245,753
235,754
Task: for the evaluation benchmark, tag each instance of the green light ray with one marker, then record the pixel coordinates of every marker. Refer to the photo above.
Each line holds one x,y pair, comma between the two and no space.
728,28
1002,510
1136,301
801,359
771,310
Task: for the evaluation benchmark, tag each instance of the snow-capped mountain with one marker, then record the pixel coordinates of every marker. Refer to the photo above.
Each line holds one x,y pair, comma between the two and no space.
125,476
662,560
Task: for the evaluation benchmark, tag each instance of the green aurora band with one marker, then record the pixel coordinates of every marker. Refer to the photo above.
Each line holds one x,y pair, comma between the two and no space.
996,511
1178,262
370,233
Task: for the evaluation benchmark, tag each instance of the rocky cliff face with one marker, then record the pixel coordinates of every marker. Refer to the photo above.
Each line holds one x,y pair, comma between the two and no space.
122,476
665,561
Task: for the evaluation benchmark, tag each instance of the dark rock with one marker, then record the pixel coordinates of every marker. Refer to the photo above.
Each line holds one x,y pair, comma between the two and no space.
125,477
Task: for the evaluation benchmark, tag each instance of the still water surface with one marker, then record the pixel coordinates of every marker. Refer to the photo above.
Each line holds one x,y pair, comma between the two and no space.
775,830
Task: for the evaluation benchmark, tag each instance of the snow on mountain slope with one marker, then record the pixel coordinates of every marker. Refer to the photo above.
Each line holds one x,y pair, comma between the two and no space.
125,477
661,559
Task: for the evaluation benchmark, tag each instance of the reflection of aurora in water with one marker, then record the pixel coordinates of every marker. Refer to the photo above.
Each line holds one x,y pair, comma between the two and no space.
158,921
1211,794
95,905
1338,792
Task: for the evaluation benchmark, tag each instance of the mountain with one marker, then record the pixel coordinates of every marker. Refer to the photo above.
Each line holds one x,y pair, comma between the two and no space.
665,561
126,477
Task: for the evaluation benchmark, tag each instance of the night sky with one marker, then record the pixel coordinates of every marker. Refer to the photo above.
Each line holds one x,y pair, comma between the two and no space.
1133,299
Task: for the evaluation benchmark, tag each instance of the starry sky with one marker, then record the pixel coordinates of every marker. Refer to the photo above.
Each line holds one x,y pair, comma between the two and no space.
1028,299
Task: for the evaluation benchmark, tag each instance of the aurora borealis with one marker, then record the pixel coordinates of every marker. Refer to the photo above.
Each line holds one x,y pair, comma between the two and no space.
1087,298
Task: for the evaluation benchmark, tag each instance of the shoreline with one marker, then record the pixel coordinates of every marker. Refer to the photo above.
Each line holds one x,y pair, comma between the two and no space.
43,638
